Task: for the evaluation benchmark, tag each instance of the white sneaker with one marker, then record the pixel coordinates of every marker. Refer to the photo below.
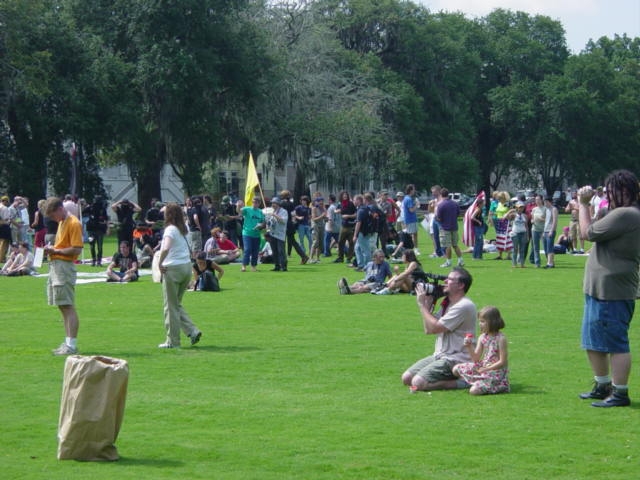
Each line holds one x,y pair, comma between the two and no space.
384,291
446,264
460,262
416,251
167,345
65,349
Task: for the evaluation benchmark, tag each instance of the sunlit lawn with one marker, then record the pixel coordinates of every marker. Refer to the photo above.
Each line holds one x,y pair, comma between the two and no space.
292,380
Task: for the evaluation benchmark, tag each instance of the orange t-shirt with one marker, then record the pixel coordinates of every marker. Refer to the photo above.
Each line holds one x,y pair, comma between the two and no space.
69,235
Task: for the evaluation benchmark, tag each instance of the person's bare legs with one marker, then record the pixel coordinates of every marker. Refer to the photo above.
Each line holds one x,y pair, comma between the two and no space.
70,318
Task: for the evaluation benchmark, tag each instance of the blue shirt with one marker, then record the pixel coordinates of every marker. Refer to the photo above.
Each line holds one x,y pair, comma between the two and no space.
409,216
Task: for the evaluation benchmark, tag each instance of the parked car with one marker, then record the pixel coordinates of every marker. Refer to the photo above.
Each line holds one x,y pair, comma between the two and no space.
463,201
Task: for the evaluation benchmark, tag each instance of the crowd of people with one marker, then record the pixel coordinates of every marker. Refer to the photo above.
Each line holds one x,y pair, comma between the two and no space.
368,231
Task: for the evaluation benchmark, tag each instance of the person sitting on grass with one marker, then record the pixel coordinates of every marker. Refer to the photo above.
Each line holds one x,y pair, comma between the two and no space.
12,258
565,244
488,370
22,263
403,282
226,247
454,320
402,241
204,271
124,265
375,274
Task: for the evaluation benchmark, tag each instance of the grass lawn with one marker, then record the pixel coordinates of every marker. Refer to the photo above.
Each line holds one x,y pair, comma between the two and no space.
293,381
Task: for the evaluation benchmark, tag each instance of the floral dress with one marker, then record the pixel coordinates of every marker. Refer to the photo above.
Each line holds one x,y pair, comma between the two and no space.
493,381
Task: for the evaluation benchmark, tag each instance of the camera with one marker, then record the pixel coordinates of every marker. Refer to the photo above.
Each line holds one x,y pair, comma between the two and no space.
430,282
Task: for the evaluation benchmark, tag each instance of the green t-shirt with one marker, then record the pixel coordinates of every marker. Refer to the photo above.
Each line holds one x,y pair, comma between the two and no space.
252,217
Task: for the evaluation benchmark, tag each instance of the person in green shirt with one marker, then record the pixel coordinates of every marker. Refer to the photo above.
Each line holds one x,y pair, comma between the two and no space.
253,223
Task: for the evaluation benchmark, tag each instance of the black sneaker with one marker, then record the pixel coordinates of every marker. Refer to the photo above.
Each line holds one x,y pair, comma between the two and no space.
600,392
616,399
195,338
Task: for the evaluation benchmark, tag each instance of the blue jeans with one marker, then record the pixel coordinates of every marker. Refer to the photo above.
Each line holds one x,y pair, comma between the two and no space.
304,231
250,252
436,238
605,324
535,247
479,243
363,250
328,236
519,245
548,242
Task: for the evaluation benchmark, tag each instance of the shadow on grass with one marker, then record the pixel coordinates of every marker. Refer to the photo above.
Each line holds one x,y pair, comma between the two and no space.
148,462
221,349
520,389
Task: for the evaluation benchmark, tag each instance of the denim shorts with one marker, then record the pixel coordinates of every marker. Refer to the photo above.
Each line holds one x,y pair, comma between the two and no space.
605,325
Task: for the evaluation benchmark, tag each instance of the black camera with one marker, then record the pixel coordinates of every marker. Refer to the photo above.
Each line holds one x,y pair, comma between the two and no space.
430,282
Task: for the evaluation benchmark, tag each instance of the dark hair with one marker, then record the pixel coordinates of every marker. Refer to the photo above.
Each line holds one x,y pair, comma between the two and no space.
494,320
464,277
201,256
444,193
619,181
410,255
411,187
24,244
332,197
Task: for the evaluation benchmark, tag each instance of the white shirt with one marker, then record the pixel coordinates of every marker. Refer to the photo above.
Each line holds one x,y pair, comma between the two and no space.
179,252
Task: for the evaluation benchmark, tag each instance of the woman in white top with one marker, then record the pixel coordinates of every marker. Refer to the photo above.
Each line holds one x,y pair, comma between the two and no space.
550,225
175,265
519,235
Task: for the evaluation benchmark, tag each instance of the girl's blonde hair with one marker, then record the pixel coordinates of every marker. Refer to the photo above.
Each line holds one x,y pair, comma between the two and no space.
493,318
173,215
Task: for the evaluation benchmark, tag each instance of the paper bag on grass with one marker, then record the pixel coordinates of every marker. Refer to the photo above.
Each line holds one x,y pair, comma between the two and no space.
92,407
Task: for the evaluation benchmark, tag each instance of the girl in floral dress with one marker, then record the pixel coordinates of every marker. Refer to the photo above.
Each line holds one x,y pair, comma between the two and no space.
488,373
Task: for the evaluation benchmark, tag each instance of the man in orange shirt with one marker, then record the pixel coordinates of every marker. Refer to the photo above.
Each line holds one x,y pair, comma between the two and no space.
62,271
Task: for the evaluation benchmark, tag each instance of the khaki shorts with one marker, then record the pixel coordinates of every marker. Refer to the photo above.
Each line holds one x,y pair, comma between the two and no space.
433,370
574,226
61,283
448,238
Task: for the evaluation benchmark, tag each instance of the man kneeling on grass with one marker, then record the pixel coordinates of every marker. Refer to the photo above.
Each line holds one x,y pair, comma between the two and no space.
455,319
375,274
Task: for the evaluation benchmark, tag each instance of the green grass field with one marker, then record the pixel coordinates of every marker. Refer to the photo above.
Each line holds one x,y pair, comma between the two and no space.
293,381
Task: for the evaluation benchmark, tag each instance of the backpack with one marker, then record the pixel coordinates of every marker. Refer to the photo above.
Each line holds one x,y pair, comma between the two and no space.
377,220
208,282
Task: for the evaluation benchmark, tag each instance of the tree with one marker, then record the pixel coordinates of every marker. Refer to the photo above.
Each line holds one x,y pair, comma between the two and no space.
325,112
43,91
517,52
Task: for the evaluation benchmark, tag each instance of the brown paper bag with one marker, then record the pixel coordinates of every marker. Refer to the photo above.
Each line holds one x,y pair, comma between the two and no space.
92,407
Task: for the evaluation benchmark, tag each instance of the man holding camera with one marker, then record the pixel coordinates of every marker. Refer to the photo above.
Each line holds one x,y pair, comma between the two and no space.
455,319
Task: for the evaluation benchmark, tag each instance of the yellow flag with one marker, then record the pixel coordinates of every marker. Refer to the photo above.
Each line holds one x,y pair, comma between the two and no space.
252,182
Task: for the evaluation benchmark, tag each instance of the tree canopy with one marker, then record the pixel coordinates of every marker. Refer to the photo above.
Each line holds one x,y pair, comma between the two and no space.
355,94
